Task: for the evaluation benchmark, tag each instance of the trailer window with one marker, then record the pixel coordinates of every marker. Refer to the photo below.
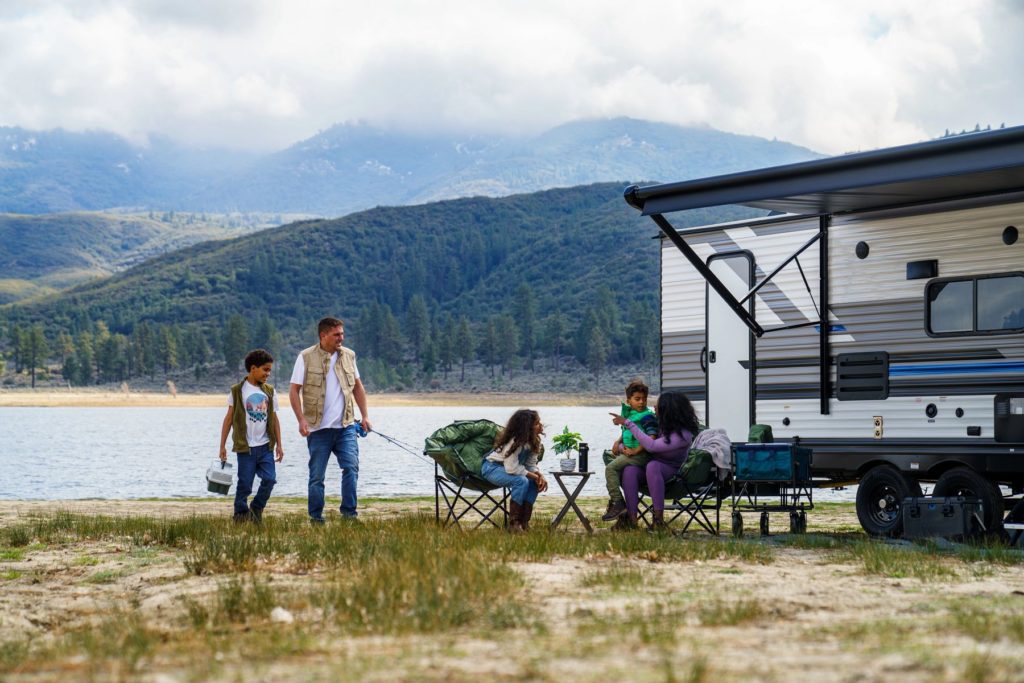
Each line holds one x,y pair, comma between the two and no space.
1001,303
984,304
949,306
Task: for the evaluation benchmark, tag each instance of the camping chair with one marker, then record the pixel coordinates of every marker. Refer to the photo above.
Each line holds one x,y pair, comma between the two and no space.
458,451
691,494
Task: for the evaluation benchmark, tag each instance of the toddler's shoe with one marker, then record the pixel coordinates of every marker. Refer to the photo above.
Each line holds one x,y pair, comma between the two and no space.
615,508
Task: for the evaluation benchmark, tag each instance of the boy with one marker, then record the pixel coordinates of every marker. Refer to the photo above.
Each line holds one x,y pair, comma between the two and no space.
255,432
626,450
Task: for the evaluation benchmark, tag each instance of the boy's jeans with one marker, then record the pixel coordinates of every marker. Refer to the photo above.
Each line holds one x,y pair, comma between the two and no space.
613,466
523,489
341,442
259,460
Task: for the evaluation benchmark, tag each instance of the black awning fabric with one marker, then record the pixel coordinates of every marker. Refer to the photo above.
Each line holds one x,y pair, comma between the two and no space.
960,166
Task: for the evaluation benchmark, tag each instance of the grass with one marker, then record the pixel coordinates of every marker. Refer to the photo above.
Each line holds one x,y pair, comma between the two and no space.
898,561
10,575
105,576
616,578
722,613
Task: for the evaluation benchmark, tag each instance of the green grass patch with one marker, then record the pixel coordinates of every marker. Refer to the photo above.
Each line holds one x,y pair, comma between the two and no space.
898,561
105,576
10,575
989,623
723,613
12,554
85,561
616,578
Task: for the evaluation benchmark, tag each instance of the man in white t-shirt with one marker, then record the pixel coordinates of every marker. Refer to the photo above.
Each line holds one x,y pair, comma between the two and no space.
325,388
255,433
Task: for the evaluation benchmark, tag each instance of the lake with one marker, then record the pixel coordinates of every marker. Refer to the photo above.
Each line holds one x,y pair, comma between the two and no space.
73,453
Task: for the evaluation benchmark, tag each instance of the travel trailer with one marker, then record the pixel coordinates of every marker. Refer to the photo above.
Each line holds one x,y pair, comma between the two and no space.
876,313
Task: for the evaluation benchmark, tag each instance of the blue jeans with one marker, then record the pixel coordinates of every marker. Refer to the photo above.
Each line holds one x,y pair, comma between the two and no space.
259,460
341,442
522,488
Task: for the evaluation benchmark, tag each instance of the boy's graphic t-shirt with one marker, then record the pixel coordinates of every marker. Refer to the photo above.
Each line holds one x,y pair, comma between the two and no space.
255,403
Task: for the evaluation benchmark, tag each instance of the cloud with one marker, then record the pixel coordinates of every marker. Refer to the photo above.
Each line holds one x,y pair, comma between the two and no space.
262,74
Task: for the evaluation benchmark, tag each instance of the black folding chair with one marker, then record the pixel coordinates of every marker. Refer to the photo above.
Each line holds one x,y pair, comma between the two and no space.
458,451
691,495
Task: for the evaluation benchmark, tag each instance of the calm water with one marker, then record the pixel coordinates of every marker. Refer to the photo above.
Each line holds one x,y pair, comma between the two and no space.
70,453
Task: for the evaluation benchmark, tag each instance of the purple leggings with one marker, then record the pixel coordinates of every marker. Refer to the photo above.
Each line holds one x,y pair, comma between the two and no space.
654,475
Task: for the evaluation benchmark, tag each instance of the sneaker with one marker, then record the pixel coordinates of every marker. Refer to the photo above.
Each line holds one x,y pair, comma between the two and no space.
240,518
316,521
257,515
615,508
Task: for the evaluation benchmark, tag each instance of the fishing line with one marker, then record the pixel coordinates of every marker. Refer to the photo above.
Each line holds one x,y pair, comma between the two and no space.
404,446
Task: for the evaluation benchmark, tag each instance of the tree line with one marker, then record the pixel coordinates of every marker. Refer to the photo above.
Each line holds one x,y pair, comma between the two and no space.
394,351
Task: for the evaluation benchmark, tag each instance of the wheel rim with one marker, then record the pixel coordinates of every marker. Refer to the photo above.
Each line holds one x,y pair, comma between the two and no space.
885,505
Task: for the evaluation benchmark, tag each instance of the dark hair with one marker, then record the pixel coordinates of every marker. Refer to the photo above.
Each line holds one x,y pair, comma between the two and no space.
256,358
519,431
676,413
327,324
637,386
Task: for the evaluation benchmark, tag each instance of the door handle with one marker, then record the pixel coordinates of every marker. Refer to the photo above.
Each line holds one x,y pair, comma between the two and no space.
704,359
712,357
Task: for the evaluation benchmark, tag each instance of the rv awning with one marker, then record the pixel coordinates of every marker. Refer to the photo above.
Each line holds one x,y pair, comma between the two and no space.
955,167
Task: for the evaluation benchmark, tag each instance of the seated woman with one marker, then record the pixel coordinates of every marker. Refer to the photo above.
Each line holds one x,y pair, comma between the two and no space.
513,464
677,424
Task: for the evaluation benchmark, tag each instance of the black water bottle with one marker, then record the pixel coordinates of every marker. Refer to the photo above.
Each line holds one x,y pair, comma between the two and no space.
584,452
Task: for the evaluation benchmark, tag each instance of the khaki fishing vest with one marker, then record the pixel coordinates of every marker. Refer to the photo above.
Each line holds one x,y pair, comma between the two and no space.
314,383
239,442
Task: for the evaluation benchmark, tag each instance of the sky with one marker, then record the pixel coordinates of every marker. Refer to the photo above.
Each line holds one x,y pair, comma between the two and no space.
835,76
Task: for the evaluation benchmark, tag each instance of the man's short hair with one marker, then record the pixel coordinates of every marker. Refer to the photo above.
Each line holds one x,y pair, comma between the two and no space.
637,387
327,324
256,358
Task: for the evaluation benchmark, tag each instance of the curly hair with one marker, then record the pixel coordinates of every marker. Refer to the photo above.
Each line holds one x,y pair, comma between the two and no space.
520,431
676,413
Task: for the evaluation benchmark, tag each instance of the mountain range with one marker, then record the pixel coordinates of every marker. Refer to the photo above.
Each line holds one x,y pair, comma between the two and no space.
350,167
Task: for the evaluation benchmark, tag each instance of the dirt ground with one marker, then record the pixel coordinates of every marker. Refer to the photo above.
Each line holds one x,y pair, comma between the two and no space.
810,614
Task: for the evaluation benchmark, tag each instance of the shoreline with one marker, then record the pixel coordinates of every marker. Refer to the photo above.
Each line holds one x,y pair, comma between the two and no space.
78,398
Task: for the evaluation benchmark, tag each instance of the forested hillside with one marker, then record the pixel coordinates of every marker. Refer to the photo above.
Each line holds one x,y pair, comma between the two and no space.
43,254
567,275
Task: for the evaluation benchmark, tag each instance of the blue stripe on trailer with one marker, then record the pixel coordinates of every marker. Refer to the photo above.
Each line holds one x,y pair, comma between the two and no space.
955,369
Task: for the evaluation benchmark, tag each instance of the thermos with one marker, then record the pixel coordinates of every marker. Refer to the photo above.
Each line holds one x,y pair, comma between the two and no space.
584,452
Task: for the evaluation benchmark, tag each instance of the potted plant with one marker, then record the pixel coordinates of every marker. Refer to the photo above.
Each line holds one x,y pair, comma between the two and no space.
566,444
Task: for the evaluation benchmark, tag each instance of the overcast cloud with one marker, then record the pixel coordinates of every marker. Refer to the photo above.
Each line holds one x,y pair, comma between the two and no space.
262,74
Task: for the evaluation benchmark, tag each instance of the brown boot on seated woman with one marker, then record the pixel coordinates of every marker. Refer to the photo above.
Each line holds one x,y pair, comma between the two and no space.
515,518
526,515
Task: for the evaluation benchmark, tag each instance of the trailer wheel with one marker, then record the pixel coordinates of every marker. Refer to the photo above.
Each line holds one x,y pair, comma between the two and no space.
880,495
963,481
737,524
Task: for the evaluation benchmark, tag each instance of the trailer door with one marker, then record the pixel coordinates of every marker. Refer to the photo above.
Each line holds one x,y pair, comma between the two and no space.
730,348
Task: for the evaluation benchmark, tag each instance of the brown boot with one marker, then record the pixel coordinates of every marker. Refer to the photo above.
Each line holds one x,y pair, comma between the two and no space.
658,521
515,516
624,523
527,513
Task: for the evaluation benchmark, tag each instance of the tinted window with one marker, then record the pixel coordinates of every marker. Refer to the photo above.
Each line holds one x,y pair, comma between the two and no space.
1000,303
950,306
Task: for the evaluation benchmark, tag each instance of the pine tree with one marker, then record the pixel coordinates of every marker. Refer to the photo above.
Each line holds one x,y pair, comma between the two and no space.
525,314
38,351
508,341
417,324
464,343
235,342
597,354
446,344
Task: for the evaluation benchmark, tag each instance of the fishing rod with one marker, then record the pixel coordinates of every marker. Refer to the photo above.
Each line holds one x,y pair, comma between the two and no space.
408,448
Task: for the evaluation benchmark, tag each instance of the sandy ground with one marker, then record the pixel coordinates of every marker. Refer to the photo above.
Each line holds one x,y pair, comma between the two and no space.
814,616
80,398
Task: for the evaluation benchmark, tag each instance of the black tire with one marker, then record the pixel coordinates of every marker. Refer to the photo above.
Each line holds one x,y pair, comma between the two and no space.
963,481
880,499
737,525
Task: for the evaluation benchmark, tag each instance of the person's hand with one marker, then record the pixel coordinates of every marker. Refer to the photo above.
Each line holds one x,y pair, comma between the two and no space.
630,451
223,454
280,453
542,483
366,425
617,419
303,427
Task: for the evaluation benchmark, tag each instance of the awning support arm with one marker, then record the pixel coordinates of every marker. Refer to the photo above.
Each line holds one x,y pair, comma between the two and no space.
782,265
824,351
712,279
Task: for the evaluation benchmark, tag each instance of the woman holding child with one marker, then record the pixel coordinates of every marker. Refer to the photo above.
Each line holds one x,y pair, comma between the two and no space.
513,464
677,425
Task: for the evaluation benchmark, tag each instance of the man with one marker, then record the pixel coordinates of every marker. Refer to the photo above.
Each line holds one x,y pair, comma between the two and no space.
325,388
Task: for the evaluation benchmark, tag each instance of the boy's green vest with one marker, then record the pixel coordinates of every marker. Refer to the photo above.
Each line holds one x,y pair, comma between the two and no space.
239,442
314,384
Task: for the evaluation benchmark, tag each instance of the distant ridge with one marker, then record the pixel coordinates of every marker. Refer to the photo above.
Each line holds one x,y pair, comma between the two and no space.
350,167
